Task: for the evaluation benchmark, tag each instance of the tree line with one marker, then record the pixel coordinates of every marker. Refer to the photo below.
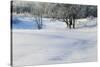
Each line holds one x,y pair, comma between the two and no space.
65,12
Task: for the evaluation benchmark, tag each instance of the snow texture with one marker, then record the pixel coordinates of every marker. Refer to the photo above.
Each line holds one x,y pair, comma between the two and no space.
54,43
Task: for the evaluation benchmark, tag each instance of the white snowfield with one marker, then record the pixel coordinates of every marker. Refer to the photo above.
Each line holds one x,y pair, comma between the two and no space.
54,44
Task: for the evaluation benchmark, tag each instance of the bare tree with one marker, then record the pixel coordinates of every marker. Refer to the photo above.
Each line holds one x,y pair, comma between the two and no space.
66,12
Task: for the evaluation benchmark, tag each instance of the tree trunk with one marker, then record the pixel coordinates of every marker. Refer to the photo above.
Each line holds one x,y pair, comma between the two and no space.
73,23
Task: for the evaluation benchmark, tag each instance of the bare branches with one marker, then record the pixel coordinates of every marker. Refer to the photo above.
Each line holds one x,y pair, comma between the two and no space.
57,11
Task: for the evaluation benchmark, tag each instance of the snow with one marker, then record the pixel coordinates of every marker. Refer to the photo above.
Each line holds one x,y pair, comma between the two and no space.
54,44
29,23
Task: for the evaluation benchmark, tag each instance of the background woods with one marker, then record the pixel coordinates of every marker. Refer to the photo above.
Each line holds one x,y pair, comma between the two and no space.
57,11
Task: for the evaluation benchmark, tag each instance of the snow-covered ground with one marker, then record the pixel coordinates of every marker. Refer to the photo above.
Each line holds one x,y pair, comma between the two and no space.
54,43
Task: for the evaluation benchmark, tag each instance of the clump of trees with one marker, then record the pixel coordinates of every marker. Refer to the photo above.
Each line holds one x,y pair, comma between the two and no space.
65,12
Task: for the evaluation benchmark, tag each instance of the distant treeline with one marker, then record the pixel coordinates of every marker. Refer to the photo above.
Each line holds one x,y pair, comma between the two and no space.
66,12
54,10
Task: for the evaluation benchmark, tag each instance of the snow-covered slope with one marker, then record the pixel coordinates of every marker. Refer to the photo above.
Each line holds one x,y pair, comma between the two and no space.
54,44
23,23
19,22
